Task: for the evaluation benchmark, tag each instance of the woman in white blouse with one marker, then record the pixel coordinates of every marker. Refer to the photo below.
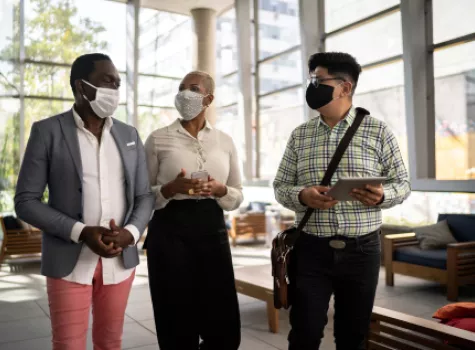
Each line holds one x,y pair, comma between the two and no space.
194,171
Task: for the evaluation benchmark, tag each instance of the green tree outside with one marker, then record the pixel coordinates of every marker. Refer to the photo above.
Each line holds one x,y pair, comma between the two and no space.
54,33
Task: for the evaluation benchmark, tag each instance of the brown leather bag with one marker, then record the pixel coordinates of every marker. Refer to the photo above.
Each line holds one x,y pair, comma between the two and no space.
283,243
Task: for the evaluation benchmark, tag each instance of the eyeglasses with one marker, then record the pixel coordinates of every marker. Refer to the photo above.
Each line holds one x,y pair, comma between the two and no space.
317,81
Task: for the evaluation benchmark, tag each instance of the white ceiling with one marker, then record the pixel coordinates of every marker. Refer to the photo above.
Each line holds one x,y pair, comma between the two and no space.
184,6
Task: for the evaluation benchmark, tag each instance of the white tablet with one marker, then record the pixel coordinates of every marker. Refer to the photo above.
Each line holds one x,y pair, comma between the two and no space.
342,189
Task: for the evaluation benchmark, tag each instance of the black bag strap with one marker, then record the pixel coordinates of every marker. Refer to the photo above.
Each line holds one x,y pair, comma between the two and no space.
342,146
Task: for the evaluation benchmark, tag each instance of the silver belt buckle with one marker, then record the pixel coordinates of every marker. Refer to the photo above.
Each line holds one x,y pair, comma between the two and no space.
337,244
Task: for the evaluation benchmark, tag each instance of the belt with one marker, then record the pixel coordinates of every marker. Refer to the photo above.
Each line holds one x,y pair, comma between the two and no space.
341,242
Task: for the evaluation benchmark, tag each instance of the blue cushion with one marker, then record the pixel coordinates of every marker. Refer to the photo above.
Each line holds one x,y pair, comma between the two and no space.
415,255
461,225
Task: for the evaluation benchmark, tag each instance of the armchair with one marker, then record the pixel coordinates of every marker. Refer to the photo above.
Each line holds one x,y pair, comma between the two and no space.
453,266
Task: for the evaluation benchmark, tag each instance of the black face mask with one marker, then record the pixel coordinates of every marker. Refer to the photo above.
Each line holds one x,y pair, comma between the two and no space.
320,96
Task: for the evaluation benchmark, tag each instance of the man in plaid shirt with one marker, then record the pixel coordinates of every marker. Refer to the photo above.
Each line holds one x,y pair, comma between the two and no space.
348,269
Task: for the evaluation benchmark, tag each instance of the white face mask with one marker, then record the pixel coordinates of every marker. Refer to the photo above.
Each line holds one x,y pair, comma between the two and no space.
106,102
189,104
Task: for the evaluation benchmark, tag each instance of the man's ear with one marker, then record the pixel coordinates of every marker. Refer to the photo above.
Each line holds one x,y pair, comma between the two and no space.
79,87
347,88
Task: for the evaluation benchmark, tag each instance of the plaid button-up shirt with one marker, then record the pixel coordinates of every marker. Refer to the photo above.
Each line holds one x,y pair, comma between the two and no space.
373,152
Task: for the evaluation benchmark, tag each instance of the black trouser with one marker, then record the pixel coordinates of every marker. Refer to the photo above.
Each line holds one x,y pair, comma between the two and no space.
351,274
191,278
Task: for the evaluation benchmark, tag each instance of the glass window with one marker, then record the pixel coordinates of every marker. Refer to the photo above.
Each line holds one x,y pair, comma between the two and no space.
339,13
165,43
9,25
229,122
385,100
283,71
452,20
151,119
423,208
9,79
36,110
454,69
154,91
227,90
381,77
9,151
372,42
227,54
60,31
279,27
280,114
47,80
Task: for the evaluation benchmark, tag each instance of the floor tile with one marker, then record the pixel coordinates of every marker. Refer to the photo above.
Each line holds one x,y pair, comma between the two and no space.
140,311
37,344
17,311
25,329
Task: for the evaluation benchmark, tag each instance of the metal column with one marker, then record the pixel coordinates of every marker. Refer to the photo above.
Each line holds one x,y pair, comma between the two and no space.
243,26
312,34
133,32
419,86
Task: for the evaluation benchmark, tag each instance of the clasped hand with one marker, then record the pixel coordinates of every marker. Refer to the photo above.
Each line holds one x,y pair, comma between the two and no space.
193,187
107,243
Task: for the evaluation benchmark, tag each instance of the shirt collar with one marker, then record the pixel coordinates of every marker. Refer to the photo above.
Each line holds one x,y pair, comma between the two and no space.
349,118
176,126
80,123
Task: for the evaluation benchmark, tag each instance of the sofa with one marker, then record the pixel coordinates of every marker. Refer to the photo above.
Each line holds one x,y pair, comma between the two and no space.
452,265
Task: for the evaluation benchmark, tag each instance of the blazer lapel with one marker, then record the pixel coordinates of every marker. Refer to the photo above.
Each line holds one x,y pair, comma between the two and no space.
120,142
68,127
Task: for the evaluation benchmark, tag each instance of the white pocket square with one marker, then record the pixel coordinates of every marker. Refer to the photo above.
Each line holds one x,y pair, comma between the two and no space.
131,144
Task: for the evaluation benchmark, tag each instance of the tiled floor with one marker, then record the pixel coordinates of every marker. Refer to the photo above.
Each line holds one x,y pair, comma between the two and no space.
25,324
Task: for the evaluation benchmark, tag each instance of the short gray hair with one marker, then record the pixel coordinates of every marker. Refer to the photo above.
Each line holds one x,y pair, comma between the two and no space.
208,80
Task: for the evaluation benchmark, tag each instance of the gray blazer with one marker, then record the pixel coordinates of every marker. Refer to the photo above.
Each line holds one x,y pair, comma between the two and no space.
53,158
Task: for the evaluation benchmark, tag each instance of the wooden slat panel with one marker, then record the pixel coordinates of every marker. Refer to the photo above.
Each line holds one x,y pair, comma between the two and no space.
467,272
435,344
394,343
372,345
430,328
465,260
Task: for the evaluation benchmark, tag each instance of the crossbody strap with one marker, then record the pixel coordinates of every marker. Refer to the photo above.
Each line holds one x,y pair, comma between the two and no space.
342,146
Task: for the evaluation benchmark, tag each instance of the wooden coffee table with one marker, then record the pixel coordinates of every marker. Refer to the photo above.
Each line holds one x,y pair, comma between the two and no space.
257,282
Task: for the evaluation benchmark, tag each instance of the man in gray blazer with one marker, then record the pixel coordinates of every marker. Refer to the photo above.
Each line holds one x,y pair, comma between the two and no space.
99,205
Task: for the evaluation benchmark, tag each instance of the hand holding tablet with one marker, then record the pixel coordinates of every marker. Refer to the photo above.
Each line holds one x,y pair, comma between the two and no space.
343,189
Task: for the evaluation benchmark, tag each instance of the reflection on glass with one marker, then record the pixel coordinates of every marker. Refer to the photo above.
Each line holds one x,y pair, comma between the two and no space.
339,13
281,72
372,42
165,43
451,20
278,26
9,151
454,69
279,114
61,30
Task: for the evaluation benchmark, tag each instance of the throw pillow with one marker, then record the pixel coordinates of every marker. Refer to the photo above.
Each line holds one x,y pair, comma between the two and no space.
456,310
467,324
435,236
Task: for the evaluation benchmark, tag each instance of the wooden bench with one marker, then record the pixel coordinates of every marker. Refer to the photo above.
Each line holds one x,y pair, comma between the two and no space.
391,330
19,243
256,282
248,225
